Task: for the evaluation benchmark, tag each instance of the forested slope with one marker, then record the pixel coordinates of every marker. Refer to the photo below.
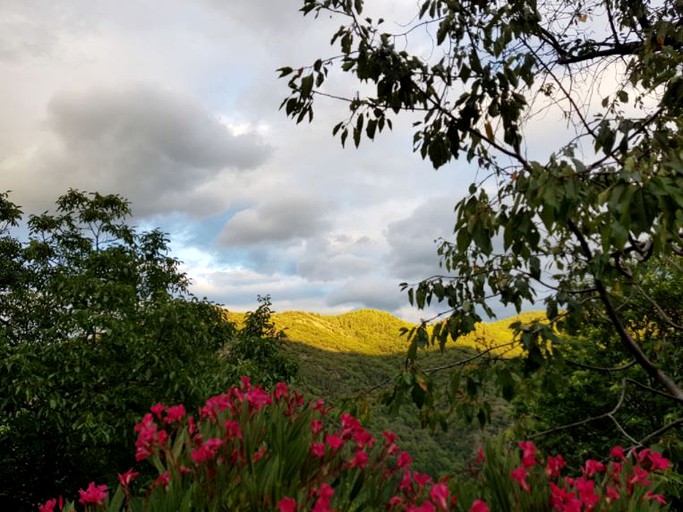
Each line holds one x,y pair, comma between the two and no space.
351,359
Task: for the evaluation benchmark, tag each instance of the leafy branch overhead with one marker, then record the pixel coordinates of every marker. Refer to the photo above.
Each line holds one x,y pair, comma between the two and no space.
569,226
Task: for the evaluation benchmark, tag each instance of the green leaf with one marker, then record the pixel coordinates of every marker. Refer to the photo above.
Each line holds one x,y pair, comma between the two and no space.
306,85
285,71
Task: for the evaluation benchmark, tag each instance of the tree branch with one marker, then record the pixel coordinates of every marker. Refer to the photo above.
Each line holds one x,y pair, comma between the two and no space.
609,415
626,339
602,369
617,50
469,359
665,428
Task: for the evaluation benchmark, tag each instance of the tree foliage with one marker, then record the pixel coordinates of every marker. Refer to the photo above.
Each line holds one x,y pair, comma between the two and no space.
590,369
568,222
257,350
96,325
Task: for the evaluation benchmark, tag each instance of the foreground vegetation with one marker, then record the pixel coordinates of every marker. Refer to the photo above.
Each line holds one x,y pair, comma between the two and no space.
97,324
247,449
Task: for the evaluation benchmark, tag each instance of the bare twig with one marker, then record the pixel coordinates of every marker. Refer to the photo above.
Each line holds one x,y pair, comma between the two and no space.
676,423
609,414
602,369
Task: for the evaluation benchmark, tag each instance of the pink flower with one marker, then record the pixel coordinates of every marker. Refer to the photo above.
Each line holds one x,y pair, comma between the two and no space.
427,506
259,454
215,405
148,437
592,467
318,449
586,490
618,453
520,475
389,437
656,497
528,453
258,398
554,465
639,476
363,438
49,506
281,390
233,430
643,455
246,382
479,506
164,479
316,426
175,413
403,460
319,406
439,495
405,484
325,493
127,477
191,425
392,448
287,504
615,469
395,501
93,495
421,479
564,501
480,460
612,493
207,451
157,409
334,441
657,461
360,459
349,424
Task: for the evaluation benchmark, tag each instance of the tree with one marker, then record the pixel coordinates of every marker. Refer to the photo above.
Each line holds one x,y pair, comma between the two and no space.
258,351
96,325
570,229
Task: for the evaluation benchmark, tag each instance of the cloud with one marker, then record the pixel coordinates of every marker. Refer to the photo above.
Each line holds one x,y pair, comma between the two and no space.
328,258
369,292
161,150
413,254
277,220
177,110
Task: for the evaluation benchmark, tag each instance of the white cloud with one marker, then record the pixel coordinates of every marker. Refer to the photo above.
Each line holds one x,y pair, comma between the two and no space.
280,219
174,105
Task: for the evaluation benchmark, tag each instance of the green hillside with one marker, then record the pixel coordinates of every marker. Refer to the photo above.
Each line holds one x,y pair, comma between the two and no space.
350,360
344,354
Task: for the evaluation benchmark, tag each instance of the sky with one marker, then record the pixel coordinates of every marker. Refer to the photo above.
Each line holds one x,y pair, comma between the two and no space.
174,105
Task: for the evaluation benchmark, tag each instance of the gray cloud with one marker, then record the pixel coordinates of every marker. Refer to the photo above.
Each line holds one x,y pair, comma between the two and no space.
278,220
160,150
371,292
153,127
412,240
335,257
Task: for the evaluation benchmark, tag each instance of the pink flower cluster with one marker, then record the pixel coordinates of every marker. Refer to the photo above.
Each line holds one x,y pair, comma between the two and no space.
230,436
598,482
341,447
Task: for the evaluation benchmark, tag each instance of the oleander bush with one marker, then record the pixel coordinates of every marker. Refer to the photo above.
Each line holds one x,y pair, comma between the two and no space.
249,449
